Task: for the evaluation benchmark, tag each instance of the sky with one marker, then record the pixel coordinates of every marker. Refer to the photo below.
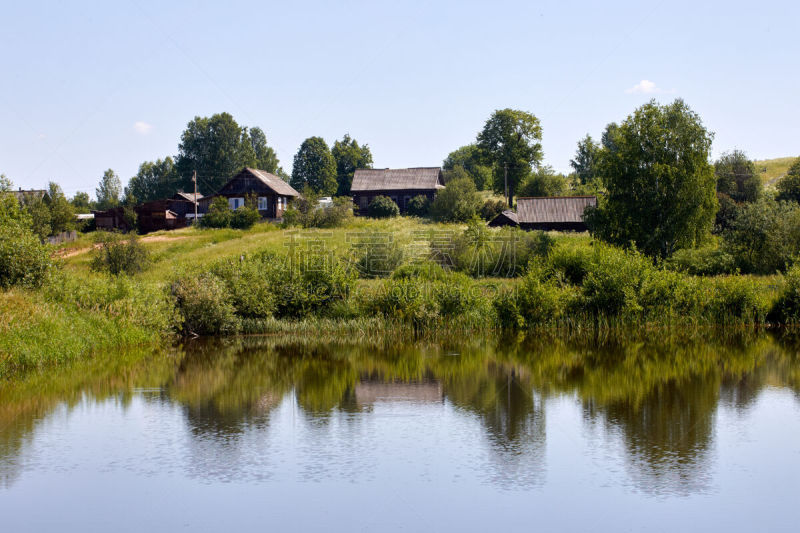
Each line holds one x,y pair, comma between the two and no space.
86,86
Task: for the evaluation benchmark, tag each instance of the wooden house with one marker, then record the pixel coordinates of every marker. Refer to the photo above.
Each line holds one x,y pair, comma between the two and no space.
111,219
272,193
551,213
163,214
183,203
399,184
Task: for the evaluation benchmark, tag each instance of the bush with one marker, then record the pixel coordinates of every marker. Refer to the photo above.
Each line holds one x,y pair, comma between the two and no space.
383,207
418,206
248,283
737,299
614,280
374,256
786,309
244,218
544,182
219,214
765,236
459,201
569,265
116,255
205,306
492,208
310,215
403,300
507,311
422,270
708,261
539,302
24,260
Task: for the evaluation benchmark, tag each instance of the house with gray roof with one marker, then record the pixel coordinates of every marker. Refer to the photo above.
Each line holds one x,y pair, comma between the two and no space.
548,213
272,193
399,184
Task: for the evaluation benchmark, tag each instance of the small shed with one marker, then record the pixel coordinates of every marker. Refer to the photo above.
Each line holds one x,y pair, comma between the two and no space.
272,192
162,214
506,218
554,213
399,184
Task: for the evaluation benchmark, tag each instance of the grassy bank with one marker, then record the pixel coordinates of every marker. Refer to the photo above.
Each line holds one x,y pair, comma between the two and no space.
373,279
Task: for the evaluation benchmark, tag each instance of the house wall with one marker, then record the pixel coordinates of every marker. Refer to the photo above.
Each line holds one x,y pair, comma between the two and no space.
556,226
399,197
276,204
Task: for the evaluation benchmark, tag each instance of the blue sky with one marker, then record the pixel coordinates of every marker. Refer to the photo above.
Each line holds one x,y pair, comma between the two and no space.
87,86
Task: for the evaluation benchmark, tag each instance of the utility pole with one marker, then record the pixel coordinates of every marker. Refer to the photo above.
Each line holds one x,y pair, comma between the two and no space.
194,179
505,172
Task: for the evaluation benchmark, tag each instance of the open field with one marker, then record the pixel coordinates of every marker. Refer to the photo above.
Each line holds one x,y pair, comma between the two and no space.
771,170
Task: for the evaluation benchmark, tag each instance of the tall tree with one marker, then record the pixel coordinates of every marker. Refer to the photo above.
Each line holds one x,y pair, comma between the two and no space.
789,185
39,214
155,180
263,157
737,177
349,156
12,213
585,159
81,202
62,214
661,186
544,182
217,147
469,158
315,167
511,143
109,191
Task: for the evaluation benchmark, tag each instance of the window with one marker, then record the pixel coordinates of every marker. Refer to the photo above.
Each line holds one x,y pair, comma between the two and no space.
263,203
235,203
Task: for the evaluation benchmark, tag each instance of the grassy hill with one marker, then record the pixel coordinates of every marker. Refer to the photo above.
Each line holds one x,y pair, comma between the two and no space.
772,170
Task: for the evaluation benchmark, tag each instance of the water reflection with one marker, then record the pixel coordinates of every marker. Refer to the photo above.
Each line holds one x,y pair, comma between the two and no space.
657,402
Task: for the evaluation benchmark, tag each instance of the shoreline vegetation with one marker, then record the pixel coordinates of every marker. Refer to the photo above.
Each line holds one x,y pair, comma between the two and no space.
371,280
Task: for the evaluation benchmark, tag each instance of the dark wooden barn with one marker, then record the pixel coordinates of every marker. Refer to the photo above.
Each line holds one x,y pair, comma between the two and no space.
110,220
399,184
162,214
272,193
551,213
506,218
183,203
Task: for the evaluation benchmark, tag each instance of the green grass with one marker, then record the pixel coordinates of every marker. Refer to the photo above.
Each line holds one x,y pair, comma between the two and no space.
771,170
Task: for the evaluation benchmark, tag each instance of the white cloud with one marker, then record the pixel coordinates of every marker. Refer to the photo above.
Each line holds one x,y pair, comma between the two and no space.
647,87
142,128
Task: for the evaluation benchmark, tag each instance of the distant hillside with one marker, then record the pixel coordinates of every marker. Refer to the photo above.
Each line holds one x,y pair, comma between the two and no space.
771,170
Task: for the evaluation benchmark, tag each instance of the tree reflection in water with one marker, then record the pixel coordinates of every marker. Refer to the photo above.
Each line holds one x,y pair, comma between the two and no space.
658,397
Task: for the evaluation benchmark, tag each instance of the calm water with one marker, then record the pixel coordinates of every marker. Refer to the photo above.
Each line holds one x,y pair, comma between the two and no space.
254,435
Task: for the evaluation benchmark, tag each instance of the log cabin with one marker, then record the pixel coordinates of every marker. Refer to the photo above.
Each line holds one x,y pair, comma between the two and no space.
273,194
399,184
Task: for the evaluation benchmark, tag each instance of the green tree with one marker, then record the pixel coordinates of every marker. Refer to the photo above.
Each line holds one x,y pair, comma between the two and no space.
544,182
155,180
469,158
661,186
585,160
12,213
62,214
217,148
383,207
315,166
109,191
349,156
39,214
737,177
789,186
511,143
459,201
81,202
764,236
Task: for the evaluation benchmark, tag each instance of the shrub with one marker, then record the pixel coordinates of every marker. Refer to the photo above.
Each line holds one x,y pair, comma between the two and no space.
614,280
539,302
374,256
491,208
24,260
422,270
707,261
117,255
765,236
544,182
219,214
569,265
737,299
383,207
507,311
403,300
418,206
454,296
459,201
311,215
786,309
789,186
248,283
244,218
205,305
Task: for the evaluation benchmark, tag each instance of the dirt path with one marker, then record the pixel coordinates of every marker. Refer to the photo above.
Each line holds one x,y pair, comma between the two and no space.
67,252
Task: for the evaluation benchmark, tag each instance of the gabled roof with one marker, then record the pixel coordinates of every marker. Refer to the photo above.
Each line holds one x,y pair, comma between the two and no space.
188,196
394,179
272,181
553,209
507,216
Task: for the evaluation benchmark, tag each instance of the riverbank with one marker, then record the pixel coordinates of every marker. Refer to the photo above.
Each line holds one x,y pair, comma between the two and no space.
385,280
